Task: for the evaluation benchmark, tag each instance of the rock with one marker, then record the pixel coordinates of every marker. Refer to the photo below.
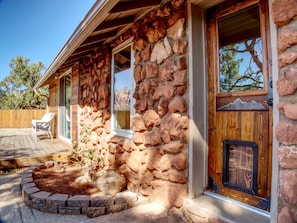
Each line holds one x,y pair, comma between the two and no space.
286,132
283,11
178,104
287,84
288,185
111,182
287,38
161,51
287,58
177,31
151,118
285,216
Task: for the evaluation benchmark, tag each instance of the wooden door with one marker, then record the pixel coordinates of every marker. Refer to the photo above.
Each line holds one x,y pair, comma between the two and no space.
239,102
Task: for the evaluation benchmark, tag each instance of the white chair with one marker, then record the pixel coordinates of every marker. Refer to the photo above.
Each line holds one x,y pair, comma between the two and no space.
45,124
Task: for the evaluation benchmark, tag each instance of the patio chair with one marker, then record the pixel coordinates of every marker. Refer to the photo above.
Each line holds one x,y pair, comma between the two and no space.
45,124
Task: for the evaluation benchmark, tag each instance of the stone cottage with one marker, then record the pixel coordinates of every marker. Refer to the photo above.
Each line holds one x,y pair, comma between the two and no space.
193,101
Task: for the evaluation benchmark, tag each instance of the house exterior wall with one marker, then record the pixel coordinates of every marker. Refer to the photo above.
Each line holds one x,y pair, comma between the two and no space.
53,104
154,161
284,15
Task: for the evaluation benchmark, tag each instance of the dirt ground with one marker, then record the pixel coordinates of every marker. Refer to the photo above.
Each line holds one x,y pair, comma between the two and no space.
62,180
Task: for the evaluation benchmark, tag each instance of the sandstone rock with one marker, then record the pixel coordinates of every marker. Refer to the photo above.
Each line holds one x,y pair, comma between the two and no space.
287,58
177,176
180,47
168,90
138,124
134,161
179,161
137,58
146,53
177,3
289,110
166,162
167,70
181,63
154,157
153,137
144,87
287,157
156,31
288,185
165,136
139,44
286,133
161,51
284,216
151,118
141,104
173,147
180,78
138,138
167,193
151,70
287,38
177,31
283,11
178,104
172,123
111,182
162,106
287,84
137,73
103,97
146,178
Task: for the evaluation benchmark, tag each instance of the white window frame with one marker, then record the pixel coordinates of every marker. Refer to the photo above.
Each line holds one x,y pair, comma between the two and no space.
62,109
127,133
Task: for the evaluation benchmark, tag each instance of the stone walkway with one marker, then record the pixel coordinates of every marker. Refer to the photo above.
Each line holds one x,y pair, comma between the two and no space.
13,209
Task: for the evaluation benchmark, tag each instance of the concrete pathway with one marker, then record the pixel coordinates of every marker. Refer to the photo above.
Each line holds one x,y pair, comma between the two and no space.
13,209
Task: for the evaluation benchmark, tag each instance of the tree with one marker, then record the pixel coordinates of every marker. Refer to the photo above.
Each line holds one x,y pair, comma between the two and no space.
16,90
241,66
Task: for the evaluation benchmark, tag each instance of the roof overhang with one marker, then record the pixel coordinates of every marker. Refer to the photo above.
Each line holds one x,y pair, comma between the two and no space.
106,20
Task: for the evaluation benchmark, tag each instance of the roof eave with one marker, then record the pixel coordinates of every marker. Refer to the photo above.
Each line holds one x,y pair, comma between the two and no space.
95,16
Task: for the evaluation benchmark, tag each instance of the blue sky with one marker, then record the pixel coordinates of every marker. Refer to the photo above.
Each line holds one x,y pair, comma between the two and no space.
37,29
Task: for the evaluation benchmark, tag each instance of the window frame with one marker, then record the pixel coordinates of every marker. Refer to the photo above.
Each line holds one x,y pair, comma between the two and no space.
62,107
127,133
263,31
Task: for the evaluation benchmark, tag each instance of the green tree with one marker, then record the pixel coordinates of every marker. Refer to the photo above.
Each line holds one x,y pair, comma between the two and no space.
241,66
16,90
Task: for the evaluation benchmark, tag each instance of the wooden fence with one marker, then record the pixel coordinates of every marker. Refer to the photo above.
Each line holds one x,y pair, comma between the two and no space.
19,118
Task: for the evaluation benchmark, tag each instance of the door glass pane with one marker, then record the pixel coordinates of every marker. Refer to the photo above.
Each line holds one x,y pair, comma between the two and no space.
240,51
67,105
64,106
122,87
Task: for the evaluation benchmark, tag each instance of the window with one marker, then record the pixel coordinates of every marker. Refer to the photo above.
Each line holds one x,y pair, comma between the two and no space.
240,51
64,106
122,90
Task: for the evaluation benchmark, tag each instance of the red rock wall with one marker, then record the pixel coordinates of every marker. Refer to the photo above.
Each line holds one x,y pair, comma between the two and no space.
154,161
284,14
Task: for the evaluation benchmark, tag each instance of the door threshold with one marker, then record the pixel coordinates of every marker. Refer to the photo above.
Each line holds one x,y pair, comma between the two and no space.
210,207
238,203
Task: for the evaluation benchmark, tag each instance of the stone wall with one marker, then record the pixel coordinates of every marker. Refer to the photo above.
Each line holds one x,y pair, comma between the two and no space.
284,14
154,161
